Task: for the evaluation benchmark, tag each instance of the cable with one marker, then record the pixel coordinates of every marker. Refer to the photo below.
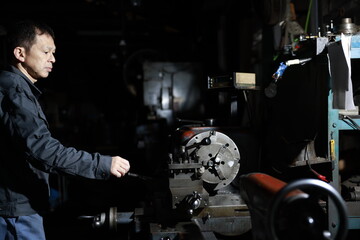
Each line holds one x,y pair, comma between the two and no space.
350,121
318,175
308,17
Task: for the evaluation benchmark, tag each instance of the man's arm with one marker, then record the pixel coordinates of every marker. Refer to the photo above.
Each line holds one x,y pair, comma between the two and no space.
29,130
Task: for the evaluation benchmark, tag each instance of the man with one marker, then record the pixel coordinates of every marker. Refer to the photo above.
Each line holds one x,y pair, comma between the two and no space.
28,152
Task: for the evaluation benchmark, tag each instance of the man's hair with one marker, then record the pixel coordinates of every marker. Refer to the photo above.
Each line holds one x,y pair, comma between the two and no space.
23,34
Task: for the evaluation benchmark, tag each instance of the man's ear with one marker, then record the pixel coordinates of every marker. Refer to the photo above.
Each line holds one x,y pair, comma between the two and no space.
19,53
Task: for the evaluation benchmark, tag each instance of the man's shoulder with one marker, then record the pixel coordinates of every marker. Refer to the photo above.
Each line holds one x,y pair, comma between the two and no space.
8,79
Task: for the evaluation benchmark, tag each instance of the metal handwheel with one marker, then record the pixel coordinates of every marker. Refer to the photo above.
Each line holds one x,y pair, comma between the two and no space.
318,189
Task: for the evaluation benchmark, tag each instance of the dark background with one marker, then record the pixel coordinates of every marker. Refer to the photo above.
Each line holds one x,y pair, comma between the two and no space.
94,98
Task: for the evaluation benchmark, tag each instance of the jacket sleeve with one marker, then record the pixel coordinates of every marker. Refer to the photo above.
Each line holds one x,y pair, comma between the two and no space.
29,129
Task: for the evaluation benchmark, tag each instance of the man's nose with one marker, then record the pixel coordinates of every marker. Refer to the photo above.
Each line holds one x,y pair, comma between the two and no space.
52,58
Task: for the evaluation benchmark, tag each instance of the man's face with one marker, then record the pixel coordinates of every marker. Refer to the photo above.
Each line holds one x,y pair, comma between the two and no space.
38,61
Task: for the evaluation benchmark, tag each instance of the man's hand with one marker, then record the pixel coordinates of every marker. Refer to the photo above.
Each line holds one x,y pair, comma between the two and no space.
119,166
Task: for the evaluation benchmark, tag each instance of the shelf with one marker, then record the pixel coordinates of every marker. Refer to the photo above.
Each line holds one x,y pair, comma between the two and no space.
339,120
316,160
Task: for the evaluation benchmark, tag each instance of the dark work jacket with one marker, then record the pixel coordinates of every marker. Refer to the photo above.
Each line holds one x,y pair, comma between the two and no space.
28,152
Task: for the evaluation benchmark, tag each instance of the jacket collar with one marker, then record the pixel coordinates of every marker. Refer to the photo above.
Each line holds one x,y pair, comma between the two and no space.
32,86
